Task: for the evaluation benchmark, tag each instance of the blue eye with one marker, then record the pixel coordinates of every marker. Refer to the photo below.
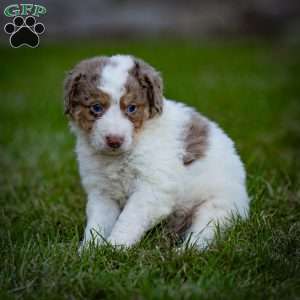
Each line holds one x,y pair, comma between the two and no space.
131,108
97,108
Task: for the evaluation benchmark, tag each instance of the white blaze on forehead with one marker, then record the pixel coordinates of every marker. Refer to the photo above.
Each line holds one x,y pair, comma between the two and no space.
114,75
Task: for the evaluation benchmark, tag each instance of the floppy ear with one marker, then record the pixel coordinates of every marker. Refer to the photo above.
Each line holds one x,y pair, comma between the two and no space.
86,71
70,89
151,81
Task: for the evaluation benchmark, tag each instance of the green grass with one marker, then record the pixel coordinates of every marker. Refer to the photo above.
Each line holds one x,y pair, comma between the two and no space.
251,89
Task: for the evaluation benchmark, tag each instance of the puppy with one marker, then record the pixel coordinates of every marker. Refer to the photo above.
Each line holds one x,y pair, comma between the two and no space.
143,158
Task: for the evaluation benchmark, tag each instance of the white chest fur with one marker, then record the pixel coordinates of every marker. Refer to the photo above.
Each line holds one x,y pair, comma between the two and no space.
114,177
119,177
156,159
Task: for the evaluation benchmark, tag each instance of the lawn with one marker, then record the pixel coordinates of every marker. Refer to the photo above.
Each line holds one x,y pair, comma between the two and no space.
252,89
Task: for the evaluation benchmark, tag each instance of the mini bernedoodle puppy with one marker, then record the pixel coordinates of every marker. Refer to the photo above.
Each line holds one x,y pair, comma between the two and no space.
143,158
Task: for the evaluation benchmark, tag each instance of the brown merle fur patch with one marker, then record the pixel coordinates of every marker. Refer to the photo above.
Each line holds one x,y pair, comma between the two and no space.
81,92
144,89
137,96
151,85
181,220
196,138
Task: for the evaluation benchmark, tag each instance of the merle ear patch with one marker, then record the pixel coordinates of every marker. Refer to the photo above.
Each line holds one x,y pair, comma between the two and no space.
24,32
71,90
81,91
74,88
150,80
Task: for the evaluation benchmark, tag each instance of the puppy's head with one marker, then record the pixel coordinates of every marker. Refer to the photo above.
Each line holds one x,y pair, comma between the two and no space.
109,99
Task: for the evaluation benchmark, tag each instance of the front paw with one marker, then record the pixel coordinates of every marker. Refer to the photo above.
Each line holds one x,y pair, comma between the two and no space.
90,244
119,243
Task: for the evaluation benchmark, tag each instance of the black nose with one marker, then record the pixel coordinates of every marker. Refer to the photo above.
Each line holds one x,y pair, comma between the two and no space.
114,141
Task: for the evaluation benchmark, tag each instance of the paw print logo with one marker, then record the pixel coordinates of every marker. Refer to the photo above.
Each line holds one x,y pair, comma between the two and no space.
24,32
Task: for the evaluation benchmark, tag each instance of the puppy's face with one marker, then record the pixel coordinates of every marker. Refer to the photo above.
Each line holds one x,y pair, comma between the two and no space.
110,98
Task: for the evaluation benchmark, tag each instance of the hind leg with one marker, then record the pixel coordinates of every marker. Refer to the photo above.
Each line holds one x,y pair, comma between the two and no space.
215,211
